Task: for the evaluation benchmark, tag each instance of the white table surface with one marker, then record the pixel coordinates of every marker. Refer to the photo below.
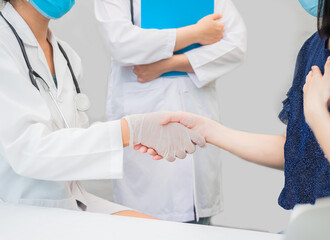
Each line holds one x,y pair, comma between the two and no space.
26,222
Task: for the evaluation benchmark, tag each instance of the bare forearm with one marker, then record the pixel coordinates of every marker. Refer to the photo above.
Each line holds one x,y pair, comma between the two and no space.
266,150
207,31
129,213
185,37
179,63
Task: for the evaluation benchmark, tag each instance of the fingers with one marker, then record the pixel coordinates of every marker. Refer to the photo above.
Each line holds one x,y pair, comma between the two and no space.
143,149
152,152
136,70
215,16
191,148
170,158
309,76
307,82
137,147
181,154
157,158
197,139
316,72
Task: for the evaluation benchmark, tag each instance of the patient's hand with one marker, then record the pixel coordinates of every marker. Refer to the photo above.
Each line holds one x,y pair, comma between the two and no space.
169,141
317,95
135,214
199,124
150,151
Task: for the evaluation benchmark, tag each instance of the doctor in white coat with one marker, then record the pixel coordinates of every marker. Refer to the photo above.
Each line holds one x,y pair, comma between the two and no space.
46,143
185,190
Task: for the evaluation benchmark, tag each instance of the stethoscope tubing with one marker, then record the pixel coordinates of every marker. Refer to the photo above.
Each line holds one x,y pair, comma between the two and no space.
21,44
34,75
58,109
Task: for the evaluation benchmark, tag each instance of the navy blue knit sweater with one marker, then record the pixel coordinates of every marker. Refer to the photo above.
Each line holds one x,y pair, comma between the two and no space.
307,171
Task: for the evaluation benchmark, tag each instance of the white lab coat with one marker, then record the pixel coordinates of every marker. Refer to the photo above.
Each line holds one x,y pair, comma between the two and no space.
39,161
168,191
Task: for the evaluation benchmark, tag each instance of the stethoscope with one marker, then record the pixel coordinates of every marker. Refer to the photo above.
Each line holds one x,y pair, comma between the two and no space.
82,100
132,11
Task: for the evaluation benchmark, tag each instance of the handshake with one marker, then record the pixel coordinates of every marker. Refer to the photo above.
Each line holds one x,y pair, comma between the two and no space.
162,136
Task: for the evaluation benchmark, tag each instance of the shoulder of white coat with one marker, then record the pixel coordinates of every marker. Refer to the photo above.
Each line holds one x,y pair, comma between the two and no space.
14,74
7,38
10,51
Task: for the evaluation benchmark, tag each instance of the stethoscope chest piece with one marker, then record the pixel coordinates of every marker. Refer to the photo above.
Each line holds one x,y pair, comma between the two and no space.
82,102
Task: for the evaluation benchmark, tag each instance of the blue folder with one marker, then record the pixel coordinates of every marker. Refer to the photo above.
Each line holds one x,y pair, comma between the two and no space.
165,14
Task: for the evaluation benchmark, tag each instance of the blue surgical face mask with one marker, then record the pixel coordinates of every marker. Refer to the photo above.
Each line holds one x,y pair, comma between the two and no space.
53,9
311,6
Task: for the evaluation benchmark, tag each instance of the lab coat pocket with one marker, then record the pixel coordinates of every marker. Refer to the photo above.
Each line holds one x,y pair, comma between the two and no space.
143,97
68,203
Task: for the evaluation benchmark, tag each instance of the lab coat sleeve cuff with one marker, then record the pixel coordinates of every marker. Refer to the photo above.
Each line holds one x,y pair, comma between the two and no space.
115,158
198,76
171,41
194,78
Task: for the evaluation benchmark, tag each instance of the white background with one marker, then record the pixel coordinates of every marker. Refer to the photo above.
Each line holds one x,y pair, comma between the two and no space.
250,98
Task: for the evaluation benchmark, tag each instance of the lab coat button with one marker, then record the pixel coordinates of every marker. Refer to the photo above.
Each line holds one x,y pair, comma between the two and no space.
60,99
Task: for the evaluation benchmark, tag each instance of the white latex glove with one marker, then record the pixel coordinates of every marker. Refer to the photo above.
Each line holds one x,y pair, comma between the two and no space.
169,141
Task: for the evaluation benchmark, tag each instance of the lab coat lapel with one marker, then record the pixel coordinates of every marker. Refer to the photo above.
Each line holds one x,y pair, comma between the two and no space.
61,65
30,41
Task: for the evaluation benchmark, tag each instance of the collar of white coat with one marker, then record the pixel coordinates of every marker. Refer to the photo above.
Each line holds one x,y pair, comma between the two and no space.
20,25
28,38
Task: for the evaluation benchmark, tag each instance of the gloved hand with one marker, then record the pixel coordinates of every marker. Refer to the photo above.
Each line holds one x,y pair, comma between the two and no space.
169,141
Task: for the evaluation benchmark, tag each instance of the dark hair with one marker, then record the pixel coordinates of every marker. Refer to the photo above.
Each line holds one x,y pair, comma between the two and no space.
323,18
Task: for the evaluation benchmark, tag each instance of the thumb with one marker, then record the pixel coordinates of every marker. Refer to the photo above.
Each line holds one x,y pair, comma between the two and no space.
316,71
175,117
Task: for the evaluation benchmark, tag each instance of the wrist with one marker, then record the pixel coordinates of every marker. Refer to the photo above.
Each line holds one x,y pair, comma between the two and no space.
179,63
169,64
125,133
213,131
316,115
195,33
319,121
192,34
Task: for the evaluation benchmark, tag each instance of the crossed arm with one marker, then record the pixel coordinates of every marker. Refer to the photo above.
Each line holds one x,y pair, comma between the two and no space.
224,53
151,51
206,32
